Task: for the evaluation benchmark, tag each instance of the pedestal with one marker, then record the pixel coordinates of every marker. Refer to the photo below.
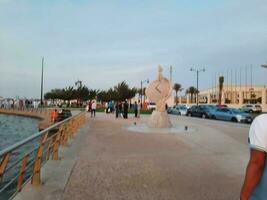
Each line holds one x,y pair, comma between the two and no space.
159,120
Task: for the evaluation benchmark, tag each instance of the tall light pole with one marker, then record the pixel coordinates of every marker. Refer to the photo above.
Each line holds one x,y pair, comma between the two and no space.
264,66
42,81
142,82
197,71
171,70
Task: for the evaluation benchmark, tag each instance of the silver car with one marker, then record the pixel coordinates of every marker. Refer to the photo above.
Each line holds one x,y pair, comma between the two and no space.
231,114
178,110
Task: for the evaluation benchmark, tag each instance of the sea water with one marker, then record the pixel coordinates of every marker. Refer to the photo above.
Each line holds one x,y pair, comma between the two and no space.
13,129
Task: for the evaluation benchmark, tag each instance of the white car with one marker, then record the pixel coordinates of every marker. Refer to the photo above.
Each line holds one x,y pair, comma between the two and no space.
151,106
251,108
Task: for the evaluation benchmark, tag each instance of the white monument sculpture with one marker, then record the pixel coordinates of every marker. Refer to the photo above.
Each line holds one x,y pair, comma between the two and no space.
159,91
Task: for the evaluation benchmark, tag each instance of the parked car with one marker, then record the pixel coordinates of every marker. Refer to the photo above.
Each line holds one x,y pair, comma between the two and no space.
231,114
178,110
151,106
222,106
204,111
252,108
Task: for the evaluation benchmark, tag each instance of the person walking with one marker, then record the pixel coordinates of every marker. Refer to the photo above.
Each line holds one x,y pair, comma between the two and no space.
125,109
93,109
106,107
90,106
255,183
117,109
120,109
135,107
139,108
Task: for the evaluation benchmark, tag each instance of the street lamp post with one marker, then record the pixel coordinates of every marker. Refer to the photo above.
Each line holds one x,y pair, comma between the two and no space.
197,71
42,81
142,82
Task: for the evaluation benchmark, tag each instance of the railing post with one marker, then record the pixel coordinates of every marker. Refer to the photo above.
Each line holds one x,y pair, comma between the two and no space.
65,135
50,146
71,132
56,147
3,165
22,173
36,178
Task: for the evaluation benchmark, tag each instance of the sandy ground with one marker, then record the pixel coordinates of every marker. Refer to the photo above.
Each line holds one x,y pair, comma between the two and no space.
116,164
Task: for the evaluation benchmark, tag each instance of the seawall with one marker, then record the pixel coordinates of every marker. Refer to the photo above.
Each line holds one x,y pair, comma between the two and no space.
42,114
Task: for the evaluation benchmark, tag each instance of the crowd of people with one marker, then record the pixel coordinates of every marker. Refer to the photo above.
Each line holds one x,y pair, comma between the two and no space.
120,109
19,103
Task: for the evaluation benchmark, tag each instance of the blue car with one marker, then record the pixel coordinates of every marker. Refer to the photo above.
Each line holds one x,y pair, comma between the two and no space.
231,114
203,111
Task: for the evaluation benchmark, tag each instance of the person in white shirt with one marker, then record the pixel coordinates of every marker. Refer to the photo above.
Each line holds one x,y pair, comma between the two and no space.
93,109
255,184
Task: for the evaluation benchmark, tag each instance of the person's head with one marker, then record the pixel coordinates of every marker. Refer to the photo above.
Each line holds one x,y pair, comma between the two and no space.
55,110
135,102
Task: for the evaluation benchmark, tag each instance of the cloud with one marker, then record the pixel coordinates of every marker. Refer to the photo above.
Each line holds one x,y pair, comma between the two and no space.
104,42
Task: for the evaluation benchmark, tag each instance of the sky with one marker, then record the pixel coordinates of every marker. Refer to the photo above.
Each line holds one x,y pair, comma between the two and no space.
106,42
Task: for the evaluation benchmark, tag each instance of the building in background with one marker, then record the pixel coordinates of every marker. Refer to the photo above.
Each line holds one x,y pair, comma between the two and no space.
232,95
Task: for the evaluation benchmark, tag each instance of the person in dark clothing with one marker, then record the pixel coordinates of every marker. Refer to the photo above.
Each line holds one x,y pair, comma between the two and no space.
90,106
117,109
125,109
135,107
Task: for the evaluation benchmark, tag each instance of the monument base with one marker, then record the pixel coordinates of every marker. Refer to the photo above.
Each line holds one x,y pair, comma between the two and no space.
159,120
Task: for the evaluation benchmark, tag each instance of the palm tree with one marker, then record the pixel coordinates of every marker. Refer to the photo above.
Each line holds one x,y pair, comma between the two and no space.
78,83
123,91
177,88
192,91
221,81
93,93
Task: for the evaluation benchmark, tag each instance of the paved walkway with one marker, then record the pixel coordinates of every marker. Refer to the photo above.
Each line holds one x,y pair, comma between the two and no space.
112,163
117,164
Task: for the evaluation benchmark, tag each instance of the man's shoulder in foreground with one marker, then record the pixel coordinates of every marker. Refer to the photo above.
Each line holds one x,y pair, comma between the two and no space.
261,117
258,133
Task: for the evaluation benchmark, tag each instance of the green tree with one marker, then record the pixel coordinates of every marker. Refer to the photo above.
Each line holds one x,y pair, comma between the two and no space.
93,94
81,93
54,94
123,91
191,91
177,88
68,93
102,96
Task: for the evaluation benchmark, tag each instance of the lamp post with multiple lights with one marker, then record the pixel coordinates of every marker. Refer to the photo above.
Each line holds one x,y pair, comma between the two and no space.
142,82
197,71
